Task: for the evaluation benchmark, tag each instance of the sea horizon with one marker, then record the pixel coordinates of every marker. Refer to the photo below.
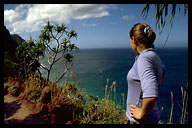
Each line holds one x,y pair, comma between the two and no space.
170,47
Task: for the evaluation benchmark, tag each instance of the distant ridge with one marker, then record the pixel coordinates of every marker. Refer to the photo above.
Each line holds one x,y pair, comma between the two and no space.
11,42
17,38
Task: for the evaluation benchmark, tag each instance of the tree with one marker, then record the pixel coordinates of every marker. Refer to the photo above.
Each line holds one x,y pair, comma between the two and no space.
28,54
163,9
62,38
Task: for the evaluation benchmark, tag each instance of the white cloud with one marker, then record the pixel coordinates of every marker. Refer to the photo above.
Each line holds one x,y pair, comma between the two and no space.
10,15
128,17
28,18
23,26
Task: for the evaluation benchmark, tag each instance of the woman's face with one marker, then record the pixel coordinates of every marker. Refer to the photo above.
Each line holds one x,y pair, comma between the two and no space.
133,44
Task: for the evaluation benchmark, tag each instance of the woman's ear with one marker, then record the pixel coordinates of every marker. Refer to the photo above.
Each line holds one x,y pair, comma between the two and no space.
135,41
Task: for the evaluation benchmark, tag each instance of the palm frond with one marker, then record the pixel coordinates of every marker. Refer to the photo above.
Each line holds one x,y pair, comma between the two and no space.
161,9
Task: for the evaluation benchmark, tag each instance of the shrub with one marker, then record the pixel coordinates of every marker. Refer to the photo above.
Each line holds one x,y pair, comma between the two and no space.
46,95
103,111
68,103
13,87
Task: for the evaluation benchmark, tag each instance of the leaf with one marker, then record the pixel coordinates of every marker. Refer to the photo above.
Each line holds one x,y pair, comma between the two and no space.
164,8
186,8
54,48
63,28
145,10
58,29
179,7
157,15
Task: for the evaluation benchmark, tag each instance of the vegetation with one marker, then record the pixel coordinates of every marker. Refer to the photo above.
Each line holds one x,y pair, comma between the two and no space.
17,38
11,67
27,54
160,10
66,102
64,46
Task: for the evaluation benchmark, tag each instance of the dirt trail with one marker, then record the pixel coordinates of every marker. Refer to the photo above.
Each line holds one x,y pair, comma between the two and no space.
20,111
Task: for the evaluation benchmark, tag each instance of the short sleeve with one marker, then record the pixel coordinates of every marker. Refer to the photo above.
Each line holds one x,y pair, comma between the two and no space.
146,72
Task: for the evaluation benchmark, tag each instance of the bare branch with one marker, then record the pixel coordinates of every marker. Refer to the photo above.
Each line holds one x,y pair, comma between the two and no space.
55,56
59,58
66,69
46,44
32,62
39,63
56,35
60,35
49,61
43,67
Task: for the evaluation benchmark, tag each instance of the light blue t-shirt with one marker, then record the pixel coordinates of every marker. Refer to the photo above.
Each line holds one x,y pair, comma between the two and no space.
144,79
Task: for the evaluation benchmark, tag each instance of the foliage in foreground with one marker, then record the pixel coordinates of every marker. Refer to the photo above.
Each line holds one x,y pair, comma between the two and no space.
65,103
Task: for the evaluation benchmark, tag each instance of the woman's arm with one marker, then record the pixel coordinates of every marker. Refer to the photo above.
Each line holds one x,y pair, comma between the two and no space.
163,74
149,86
163,77
147,106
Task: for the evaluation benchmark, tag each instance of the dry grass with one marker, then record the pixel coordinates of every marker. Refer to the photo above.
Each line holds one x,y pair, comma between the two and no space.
184,114
67,99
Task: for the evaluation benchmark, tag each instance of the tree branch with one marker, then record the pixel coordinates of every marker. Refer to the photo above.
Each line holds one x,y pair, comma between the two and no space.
66,69
43,67
49,61
48,46
60,35
59,58
32,62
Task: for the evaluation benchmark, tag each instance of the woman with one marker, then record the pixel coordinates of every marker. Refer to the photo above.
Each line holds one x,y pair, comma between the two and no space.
144,78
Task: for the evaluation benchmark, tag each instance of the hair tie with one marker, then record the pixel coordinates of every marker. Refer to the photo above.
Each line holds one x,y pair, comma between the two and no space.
147,29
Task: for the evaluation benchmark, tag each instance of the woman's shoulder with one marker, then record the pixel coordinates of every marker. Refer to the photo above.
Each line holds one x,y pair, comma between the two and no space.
150,56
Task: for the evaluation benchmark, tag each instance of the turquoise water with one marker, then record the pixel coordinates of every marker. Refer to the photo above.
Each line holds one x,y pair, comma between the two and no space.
93,66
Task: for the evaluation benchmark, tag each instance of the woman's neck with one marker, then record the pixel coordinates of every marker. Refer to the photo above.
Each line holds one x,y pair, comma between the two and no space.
141,48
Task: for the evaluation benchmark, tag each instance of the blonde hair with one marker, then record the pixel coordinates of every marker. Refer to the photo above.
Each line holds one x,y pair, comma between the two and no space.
139,32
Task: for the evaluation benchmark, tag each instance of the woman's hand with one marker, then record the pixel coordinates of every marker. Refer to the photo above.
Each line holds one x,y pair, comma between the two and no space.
147,106
136,112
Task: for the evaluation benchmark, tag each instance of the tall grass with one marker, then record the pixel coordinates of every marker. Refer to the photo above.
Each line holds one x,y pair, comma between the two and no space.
103,111
184,106
184,111
171,114
67,99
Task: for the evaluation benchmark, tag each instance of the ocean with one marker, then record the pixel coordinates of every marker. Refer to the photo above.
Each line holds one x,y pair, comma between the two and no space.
92,67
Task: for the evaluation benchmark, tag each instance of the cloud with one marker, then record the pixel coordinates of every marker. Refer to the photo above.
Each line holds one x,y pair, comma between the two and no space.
89,25
10,15
128,18
23,26
28,18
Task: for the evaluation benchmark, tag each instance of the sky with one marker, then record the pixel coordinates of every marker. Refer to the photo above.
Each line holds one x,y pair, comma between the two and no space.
97,25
